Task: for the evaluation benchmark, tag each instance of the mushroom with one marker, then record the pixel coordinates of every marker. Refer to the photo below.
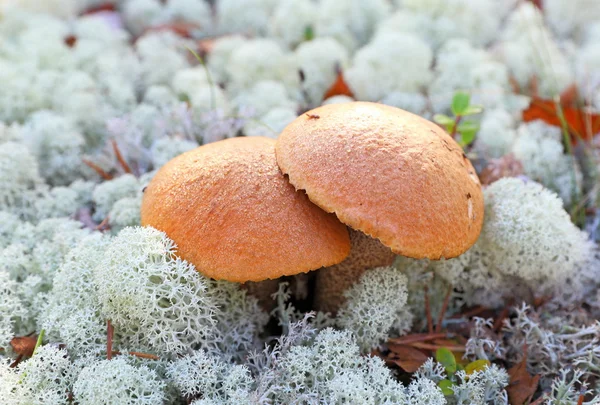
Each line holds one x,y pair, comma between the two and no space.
389,174
234,215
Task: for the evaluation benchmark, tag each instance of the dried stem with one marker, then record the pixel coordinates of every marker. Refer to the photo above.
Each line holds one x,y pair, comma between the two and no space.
455,127
119,156
419,337
98,169
429,346
428,311
102,226
17,361
138,354
438,328
470,313
109,339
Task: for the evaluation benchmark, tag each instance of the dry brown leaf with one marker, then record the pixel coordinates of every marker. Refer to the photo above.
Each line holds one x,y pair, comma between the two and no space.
522,385
107,6
417,337
406,357
24,345
339,87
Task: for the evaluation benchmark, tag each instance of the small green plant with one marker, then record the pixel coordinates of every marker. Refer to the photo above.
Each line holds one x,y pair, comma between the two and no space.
447,359
461,107
309,33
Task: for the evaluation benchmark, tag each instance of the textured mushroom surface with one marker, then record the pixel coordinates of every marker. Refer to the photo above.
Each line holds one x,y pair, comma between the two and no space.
233,214
332,281
388,173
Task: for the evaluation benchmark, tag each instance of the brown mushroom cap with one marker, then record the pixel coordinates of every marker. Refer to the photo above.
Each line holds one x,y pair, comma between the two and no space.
388,173
234,215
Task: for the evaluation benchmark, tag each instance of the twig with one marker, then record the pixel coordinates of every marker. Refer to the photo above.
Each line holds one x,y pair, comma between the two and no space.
109,339
98,169
103,225
438,328
428,311
429,346
419,337
17,361
455,127
470,313
119,156
138,354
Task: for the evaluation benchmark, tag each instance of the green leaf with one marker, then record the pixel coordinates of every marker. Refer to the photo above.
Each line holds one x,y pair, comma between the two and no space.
446,358
443,119
468,126
309,33
472,110
477,365
460,102
467,137
467,131
446,387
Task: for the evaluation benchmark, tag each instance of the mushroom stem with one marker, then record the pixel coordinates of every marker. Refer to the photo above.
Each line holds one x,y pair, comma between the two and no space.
365,253
263,291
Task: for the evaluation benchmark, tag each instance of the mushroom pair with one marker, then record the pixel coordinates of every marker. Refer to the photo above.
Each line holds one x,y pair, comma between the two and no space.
400,183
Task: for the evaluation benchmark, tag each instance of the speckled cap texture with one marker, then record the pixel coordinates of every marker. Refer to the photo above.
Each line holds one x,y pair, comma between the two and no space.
234,215
388,173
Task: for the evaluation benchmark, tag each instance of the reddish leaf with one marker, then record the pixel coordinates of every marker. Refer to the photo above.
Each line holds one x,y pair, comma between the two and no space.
181,28
406,357
522,385
339,87
24,345
100,8
581,124
569,95
538,4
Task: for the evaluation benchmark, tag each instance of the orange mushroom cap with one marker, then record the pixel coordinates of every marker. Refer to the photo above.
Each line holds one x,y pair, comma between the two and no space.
388,173
233,214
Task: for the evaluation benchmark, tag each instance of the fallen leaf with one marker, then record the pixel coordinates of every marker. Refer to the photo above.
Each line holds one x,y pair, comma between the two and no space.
522,385
580,123
100,8
339,87
406,357
538,4
181,28
24,345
